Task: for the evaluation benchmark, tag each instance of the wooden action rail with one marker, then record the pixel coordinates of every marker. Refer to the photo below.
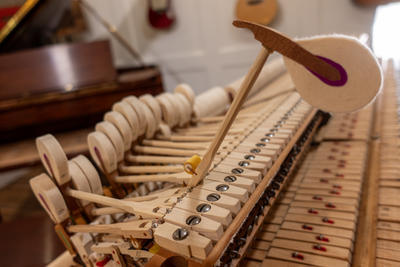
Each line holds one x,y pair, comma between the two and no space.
387,212
374,241
314,222
290,158
380,233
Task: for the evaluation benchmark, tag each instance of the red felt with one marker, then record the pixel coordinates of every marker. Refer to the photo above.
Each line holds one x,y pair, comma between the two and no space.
103,262
6,13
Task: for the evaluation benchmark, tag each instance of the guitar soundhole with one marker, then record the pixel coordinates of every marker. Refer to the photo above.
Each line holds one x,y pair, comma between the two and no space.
175,261
254,2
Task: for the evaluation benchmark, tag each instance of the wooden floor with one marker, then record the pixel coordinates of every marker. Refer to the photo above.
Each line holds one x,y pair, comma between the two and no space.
17,199
24,153
27,236
29,242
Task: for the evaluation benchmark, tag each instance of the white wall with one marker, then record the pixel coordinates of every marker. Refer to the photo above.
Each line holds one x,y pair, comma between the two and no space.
203,49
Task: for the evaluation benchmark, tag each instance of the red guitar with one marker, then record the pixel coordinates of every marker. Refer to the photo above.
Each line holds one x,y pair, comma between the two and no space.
160,14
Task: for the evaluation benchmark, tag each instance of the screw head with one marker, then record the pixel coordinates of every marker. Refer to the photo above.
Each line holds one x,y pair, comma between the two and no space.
260,210
255,150
264,139
266,201
260,145
271,193
230,179
240,242
244,163
233,254
249,230
203,208
213,197
180,234
275,185
193,220
280,178
255,221
222,187
249,157
237,170
269,135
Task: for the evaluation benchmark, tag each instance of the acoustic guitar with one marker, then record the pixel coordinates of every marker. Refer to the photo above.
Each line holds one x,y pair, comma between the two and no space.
257,11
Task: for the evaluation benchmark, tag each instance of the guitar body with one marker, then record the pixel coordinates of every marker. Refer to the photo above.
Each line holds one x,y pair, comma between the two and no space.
257,11
160,14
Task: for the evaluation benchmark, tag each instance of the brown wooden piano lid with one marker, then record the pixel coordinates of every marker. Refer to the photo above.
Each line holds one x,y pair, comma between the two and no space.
375,2
56,68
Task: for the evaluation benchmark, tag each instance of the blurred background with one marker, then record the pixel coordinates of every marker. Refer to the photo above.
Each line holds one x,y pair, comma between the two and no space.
63,63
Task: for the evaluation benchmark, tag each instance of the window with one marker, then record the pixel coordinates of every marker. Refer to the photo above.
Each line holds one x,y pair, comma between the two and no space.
386,31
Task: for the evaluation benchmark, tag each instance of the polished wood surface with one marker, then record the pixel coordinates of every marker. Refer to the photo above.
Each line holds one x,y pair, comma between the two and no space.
375,2
56,68
29,242
17,201
24,153
365,245
27,236
60,111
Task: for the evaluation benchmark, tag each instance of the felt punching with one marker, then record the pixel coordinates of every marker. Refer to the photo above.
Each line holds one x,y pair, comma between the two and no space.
358,85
